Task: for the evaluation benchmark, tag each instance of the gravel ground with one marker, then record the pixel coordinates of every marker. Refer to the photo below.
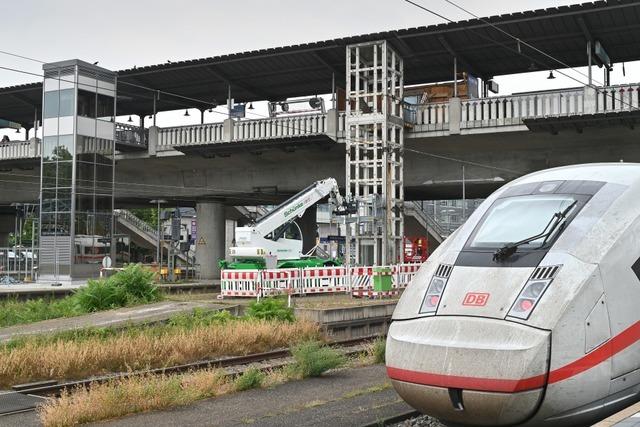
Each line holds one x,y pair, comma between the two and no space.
421,421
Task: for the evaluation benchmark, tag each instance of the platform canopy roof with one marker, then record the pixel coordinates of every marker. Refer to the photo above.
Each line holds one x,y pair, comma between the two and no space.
307,69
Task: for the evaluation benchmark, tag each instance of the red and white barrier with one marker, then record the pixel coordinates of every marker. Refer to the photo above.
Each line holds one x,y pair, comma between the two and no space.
316,280
240,283
404,273
324,280
281,281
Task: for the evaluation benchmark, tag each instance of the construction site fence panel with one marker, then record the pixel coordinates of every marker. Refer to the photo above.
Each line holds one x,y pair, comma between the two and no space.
311,280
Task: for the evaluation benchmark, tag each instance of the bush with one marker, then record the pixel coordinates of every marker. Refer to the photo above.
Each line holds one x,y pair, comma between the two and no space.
378,349
312,359
132,285
137,283
251,378
99,295
270,309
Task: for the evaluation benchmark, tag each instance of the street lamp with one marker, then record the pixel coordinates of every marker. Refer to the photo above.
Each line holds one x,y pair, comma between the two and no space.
158,202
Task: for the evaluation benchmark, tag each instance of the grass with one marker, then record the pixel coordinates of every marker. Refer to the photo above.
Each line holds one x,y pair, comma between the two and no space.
377,350
97,352
139,394
134,285
251,378
312,359
270,309
132,395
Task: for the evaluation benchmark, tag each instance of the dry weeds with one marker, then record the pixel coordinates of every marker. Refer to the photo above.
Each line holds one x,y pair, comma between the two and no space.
132,395
71,360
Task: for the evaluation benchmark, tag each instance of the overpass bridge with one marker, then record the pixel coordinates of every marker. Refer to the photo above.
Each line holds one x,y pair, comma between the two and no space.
262,161
266,159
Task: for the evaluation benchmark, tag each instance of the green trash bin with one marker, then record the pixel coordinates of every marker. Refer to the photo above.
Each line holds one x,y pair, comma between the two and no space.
382,279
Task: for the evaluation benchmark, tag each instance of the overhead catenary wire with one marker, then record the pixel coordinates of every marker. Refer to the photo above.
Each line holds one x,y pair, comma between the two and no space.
288,126
479,34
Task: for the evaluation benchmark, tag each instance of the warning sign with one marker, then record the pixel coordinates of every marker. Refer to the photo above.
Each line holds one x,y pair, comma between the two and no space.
201,241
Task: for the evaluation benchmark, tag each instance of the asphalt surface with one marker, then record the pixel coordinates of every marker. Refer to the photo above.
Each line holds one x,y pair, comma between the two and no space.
351,397
112,318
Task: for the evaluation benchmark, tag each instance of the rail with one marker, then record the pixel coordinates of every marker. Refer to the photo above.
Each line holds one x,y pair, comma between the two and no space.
131,135
20,150
618,98
190,135
281,127
139,224
510,110
428,220
18,263
433,116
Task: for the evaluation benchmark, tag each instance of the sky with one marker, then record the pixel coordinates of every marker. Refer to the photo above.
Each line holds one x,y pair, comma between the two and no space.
146,32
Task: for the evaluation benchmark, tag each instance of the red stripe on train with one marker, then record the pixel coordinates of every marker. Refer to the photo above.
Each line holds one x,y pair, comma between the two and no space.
615,345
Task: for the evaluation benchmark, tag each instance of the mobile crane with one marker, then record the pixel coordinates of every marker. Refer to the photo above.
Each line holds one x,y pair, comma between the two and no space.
277,235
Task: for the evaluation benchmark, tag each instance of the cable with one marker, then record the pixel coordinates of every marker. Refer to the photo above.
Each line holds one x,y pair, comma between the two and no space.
466,162
518,39
21,56
591,85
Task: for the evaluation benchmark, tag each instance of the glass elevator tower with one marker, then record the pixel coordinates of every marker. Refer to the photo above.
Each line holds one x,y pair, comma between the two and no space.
77,171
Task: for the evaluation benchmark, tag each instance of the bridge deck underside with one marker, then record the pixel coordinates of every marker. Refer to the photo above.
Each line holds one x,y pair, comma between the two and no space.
226,149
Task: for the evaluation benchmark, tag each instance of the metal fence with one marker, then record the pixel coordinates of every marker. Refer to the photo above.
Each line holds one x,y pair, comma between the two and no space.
20,263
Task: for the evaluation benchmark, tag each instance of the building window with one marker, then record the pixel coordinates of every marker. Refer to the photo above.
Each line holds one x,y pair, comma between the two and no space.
58,103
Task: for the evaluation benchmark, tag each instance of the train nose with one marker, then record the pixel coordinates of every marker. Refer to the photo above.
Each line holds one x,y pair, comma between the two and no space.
467,370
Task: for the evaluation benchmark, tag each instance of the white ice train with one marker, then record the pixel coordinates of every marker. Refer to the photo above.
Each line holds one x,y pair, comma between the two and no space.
529,314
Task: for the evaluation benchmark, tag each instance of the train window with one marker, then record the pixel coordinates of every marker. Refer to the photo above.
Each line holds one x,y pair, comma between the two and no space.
514,219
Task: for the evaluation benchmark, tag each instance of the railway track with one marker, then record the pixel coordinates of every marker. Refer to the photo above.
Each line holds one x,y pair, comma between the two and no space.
26,397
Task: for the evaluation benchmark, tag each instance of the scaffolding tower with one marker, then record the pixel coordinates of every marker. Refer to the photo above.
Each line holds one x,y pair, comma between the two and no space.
374,152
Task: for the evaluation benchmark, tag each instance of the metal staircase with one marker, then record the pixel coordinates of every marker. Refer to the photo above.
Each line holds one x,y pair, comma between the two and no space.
144,231
413,209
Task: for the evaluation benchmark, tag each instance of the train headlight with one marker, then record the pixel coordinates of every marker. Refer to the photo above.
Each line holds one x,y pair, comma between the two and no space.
528,298
432,297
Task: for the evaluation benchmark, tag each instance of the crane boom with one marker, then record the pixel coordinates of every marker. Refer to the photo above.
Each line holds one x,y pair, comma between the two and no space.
296,205
276,234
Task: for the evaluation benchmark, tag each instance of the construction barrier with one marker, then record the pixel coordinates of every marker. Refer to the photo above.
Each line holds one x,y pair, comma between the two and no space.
280,281
240,283
312,280
324,280
404,273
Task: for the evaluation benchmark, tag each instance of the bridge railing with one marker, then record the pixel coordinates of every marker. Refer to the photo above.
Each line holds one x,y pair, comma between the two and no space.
131,135
433,116
618,98
190,135
20,150
281,127
510,110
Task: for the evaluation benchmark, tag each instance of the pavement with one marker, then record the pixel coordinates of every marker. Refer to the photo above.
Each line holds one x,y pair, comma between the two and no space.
149,313
349,397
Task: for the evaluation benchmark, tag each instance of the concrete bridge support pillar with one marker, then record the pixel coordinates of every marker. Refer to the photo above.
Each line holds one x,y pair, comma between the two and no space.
7,226
210,244
153,140
309,226
455,116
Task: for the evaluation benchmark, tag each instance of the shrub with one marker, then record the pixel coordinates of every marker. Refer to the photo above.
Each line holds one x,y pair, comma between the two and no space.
136,282
312,359
251,378
99,295
378,349
270,309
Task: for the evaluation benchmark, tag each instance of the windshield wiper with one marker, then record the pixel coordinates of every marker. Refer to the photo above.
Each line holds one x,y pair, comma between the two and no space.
510,248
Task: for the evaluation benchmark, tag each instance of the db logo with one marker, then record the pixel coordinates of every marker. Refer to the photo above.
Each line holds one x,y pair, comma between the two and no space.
476,299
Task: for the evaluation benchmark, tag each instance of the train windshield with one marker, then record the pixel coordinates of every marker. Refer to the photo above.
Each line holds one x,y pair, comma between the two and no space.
514,219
